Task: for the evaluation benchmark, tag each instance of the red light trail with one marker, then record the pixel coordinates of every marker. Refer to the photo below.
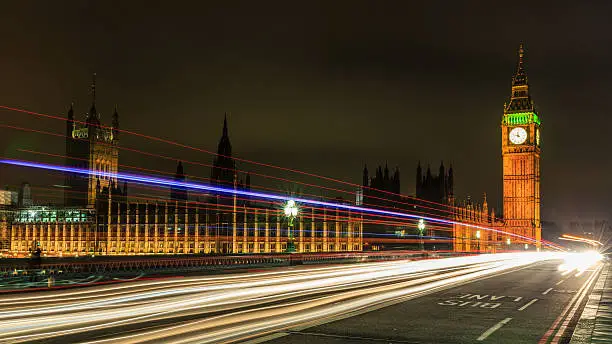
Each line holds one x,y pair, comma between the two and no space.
174,143
268,196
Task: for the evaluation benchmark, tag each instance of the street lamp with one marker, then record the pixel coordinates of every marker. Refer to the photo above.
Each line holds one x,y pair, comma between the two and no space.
421,227
526,246
508,242
291,212
478,237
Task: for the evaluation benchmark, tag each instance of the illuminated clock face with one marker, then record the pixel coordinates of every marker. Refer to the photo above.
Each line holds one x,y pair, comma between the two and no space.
518,135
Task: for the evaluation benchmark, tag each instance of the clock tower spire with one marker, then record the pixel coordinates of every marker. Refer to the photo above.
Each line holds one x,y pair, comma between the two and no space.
521,159
520,100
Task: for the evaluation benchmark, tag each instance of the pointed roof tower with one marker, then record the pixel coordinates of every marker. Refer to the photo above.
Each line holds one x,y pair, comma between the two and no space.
180,173
223,164
115,127
225,125
178,193
92,116
70,123
386,173
520,99
71,112
485,205
520,78
225,146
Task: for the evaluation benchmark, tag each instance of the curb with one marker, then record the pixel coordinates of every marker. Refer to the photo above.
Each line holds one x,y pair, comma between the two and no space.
588,323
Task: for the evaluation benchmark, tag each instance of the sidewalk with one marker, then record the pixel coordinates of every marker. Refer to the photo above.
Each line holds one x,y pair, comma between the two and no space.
595,324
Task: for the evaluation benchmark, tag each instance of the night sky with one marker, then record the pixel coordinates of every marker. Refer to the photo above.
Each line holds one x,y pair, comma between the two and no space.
324,87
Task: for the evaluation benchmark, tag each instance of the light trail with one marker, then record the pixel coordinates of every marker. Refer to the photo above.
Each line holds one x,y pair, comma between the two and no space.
241,171
174,143
268,196
236,307
452,208
580,239
253,210
342,218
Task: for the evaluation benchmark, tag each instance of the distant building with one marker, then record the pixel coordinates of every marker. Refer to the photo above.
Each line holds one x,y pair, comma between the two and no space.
382,189
223,172
24,198
435,188
179,193
94,147
8,197
100,219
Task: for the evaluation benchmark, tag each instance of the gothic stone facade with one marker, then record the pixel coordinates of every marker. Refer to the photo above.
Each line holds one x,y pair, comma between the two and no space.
99,218
131,228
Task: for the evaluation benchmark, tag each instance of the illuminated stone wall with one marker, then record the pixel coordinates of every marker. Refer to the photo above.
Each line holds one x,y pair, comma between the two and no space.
178,228
466,237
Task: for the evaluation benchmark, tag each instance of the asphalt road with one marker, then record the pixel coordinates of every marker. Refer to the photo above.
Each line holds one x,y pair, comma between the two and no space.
502,298
528,305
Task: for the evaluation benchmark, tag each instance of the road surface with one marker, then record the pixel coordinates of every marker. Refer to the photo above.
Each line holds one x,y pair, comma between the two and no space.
511,297
522,306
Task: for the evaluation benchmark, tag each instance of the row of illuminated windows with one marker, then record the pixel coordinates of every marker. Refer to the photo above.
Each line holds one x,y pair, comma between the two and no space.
48,216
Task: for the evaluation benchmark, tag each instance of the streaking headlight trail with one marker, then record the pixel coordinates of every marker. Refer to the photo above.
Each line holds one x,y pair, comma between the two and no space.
579,262
230,308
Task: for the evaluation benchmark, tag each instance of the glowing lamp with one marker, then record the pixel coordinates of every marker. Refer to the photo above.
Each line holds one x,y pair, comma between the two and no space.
291,209
421,225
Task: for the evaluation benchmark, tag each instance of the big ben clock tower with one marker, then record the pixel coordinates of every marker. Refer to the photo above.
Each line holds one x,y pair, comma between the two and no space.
521,159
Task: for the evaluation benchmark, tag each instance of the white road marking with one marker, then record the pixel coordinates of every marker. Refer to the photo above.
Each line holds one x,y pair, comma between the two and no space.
561,281
493,329
547,290
528,304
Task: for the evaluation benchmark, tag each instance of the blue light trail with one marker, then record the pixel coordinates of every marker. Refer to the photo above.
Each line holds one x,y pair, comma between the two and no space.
267,196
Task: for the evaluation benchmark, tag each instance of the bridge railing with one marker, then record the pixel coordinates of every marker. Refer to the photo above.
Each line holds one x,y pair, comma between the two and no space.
106,264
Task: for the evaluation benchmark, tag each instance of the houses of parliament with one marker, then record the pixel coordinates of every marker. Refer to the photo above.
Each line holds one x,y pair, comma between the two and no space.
100,217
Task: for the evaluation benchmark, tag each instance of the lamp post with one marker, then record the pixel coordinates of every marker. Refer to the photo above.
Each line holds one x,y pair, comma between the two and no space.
508,242
291,212
478,237
421,227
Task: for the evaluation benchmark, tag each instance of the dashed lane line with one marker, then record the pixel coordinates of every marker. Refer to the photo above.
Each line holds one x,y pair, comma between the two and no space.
528,304
493,329
547,291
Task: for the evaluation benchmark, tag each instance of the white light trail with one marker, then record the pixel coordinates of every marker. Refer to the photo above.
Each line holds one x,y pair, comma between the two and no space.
250,304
